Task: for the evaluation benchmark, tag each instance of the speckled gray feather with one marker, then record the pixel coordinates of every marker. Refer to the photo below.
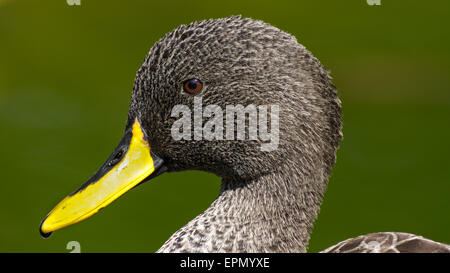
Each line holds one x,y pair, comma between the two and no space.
268,200
388,242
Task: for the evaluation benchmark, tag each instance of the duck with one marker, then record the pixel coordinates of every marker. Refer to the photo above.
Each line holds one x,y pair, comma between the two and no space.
274,152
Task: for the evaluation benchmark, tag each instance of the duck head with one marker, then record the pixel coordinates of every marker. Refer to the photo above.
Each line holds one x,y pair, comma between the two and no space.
179,114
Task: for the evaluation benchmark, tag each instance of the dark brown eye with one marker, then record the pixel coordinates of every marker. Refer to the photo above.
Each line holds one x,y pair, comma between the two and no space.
193,86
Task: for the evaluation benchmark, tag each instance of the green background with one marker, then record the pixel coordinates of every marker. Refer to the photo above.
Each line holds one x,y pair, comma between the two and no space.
66,74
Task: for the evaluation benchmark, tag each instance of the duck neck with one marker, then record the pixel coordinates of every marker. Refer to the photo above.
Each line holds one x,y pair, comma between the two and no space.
272,213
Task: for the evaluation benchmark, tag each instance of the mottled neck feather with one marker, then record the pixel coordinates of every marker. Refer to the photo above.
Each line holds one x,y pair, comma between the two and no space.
273,213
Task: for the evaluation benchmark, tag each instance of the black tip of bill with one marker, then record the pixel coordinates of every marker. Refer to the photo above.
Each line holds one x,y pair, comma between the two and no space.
43,234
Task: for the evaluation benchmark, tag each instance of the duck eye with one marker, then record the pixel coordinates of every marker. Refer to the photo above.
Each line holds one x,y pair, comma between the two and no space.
193,86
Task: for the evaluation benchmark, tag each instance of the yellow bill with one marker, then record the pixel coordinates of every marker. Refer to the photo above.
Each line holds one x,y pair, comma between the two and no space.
129,165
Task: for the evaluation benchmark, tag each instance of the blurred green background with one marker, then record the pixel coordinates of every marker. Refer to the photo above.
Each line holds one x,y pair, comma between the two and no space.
66,74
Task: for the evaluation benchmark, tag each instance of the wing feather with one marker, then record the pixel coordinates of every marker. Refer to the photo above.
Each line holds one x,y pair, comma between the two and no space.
388,242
